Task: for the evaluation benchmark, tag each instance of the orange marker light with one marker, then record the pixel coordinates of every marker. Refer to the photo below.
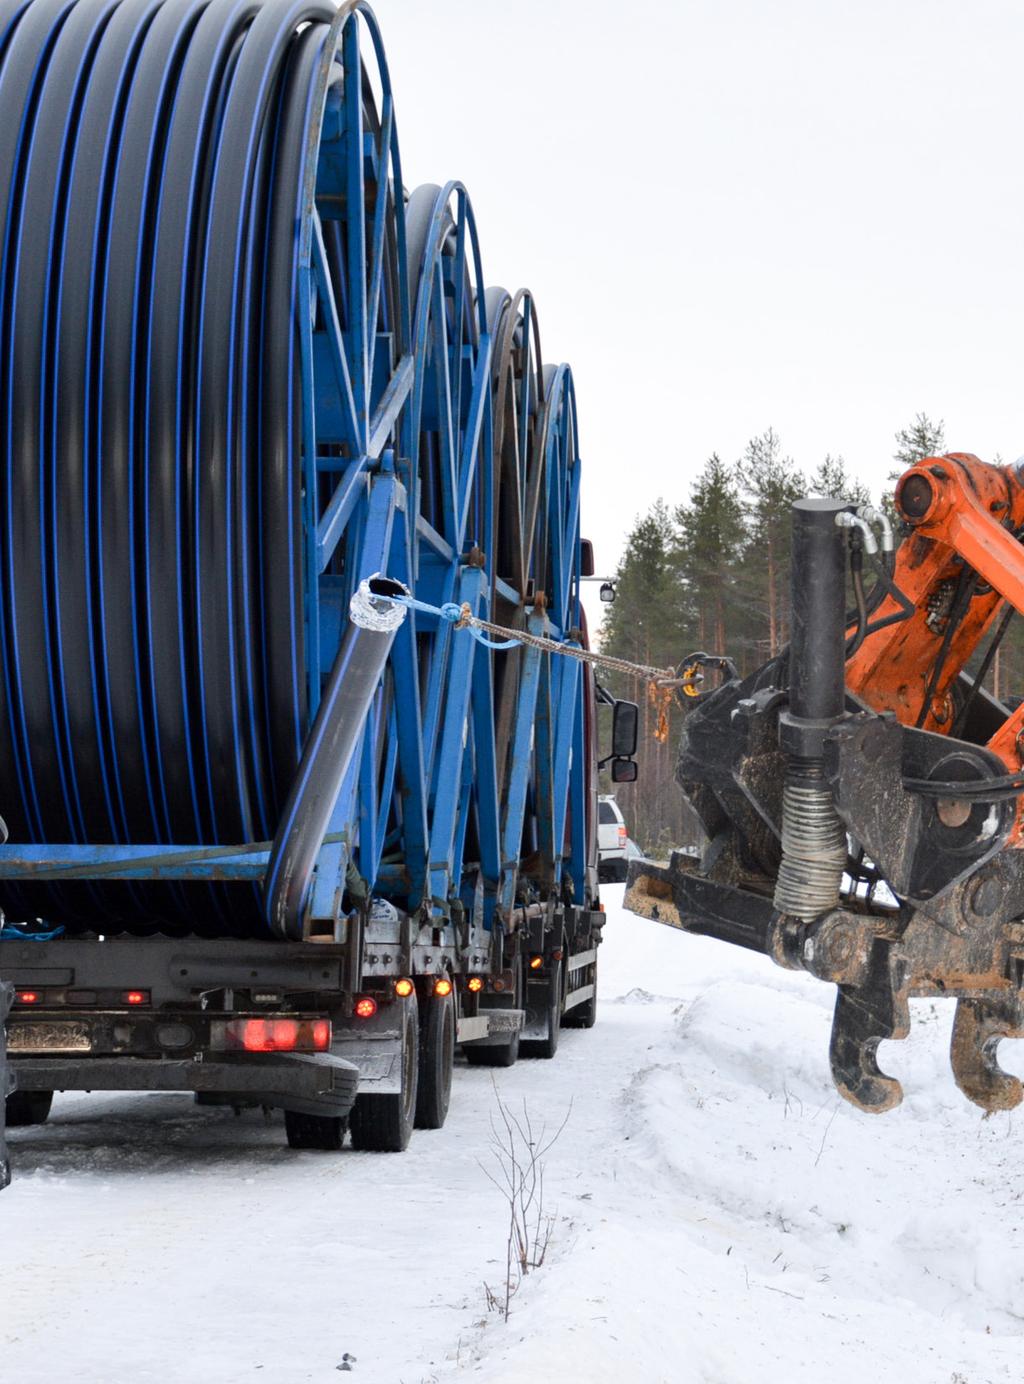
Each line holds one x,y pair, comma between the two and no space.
404,987
536,962
475,984
442,987
366,1007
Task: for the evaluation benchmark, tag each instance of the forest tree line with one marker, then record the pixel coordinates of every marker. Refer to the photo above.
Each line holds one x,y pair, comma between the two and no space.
711,572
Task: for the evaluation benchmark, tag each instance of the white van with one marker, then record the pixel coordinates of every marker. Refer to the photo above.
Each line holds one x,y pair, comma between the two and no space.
611,840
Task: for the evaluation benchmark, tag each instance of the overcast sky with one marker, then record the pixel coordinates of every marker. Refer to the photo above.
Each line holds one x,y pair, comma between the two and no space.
736,215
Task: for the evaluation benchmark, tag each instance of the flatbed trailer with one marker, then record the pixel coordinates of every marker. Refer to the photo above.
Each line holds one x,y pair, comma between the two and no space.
283,829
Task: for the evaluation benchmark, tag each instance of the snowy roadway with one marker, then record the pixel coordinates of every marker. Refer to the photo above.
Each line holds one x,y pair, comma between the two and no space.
722,1216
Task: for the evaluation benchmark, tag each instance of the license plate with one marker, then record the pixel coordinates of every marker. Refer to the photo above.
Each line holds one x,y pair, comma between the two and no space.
60,1036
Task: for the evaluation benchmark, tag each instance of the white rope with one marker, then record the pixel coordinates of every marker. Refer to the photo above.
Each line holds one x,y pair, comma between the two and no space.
463,618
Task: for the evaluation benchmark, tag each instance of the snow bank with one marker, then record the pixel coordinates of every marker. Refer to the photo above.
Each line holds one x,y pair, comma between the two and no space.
722,1217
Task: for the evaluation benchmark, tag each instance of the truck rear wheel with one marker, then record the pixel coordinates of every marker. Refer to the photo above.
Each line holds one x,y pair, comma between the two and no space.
384,1124
506,1053
28,1108
326,1132
437,1055
547,1046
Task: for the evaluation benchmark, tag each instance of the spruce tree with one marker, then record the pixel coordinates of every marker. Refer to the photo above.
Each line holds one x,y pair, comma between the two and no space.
711,539
650,622
642,623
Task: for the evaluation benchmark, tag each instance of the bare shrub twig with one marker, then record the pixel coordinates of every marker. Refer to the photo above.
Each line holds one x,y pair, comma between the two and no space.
518,1151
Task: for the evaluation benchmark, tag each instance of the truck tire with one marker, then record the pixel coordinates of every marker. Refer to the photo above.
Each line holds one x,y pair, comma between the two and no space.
547,1047
583,1015
28,1108
325,1132
437,1056
499,1054
505,1055
384,1124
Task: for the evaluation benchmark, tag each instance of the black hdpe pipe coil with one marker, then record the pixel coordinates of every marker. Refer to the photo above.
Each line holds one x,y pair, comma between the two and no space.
152,164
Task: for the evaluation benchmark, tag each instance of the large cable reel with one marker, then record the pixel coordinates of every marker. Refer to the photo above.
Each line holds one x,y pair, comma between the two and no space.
230,390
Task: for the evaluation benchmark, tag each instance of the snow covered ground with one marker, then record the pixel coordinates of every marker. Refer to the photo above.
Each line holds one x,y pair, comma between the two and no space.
721,1216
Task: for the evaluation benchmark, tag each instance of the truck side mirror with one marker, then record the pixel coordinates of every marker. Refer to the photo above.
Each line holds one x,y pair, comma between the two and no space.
587,568
623,770
625,722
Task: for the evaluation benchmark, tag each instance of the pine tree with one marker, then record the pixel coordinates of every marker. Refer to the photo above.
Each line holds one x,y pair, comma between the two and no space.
922,439
771,483
833,481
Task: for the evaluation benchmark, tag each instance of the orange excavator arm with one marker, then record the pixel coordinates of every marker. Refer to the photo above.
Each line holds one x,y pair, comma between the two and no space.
965,515
961,561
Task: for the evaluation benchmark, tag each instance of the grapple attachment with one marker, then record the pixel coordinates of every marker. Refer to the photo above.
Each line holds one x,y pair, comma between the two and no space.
861,794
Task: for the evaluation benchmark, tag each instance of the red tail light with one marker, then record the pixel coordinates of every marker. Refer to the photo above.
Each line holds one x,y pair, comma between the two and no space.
135,996
273,1035
27,997
623,834
366,1007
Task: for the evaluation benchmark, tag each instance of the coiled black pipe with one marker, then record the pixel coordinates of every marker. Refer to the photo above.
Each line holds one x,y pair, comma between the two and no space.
152,158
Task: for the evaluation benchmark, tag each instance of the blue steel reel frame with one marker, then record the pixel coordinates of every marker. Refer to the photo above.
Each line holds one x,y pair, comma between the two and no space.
431,518
560,502
436,483
354,317
572,802
447,428
518,385
548,809
357,372
447,442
